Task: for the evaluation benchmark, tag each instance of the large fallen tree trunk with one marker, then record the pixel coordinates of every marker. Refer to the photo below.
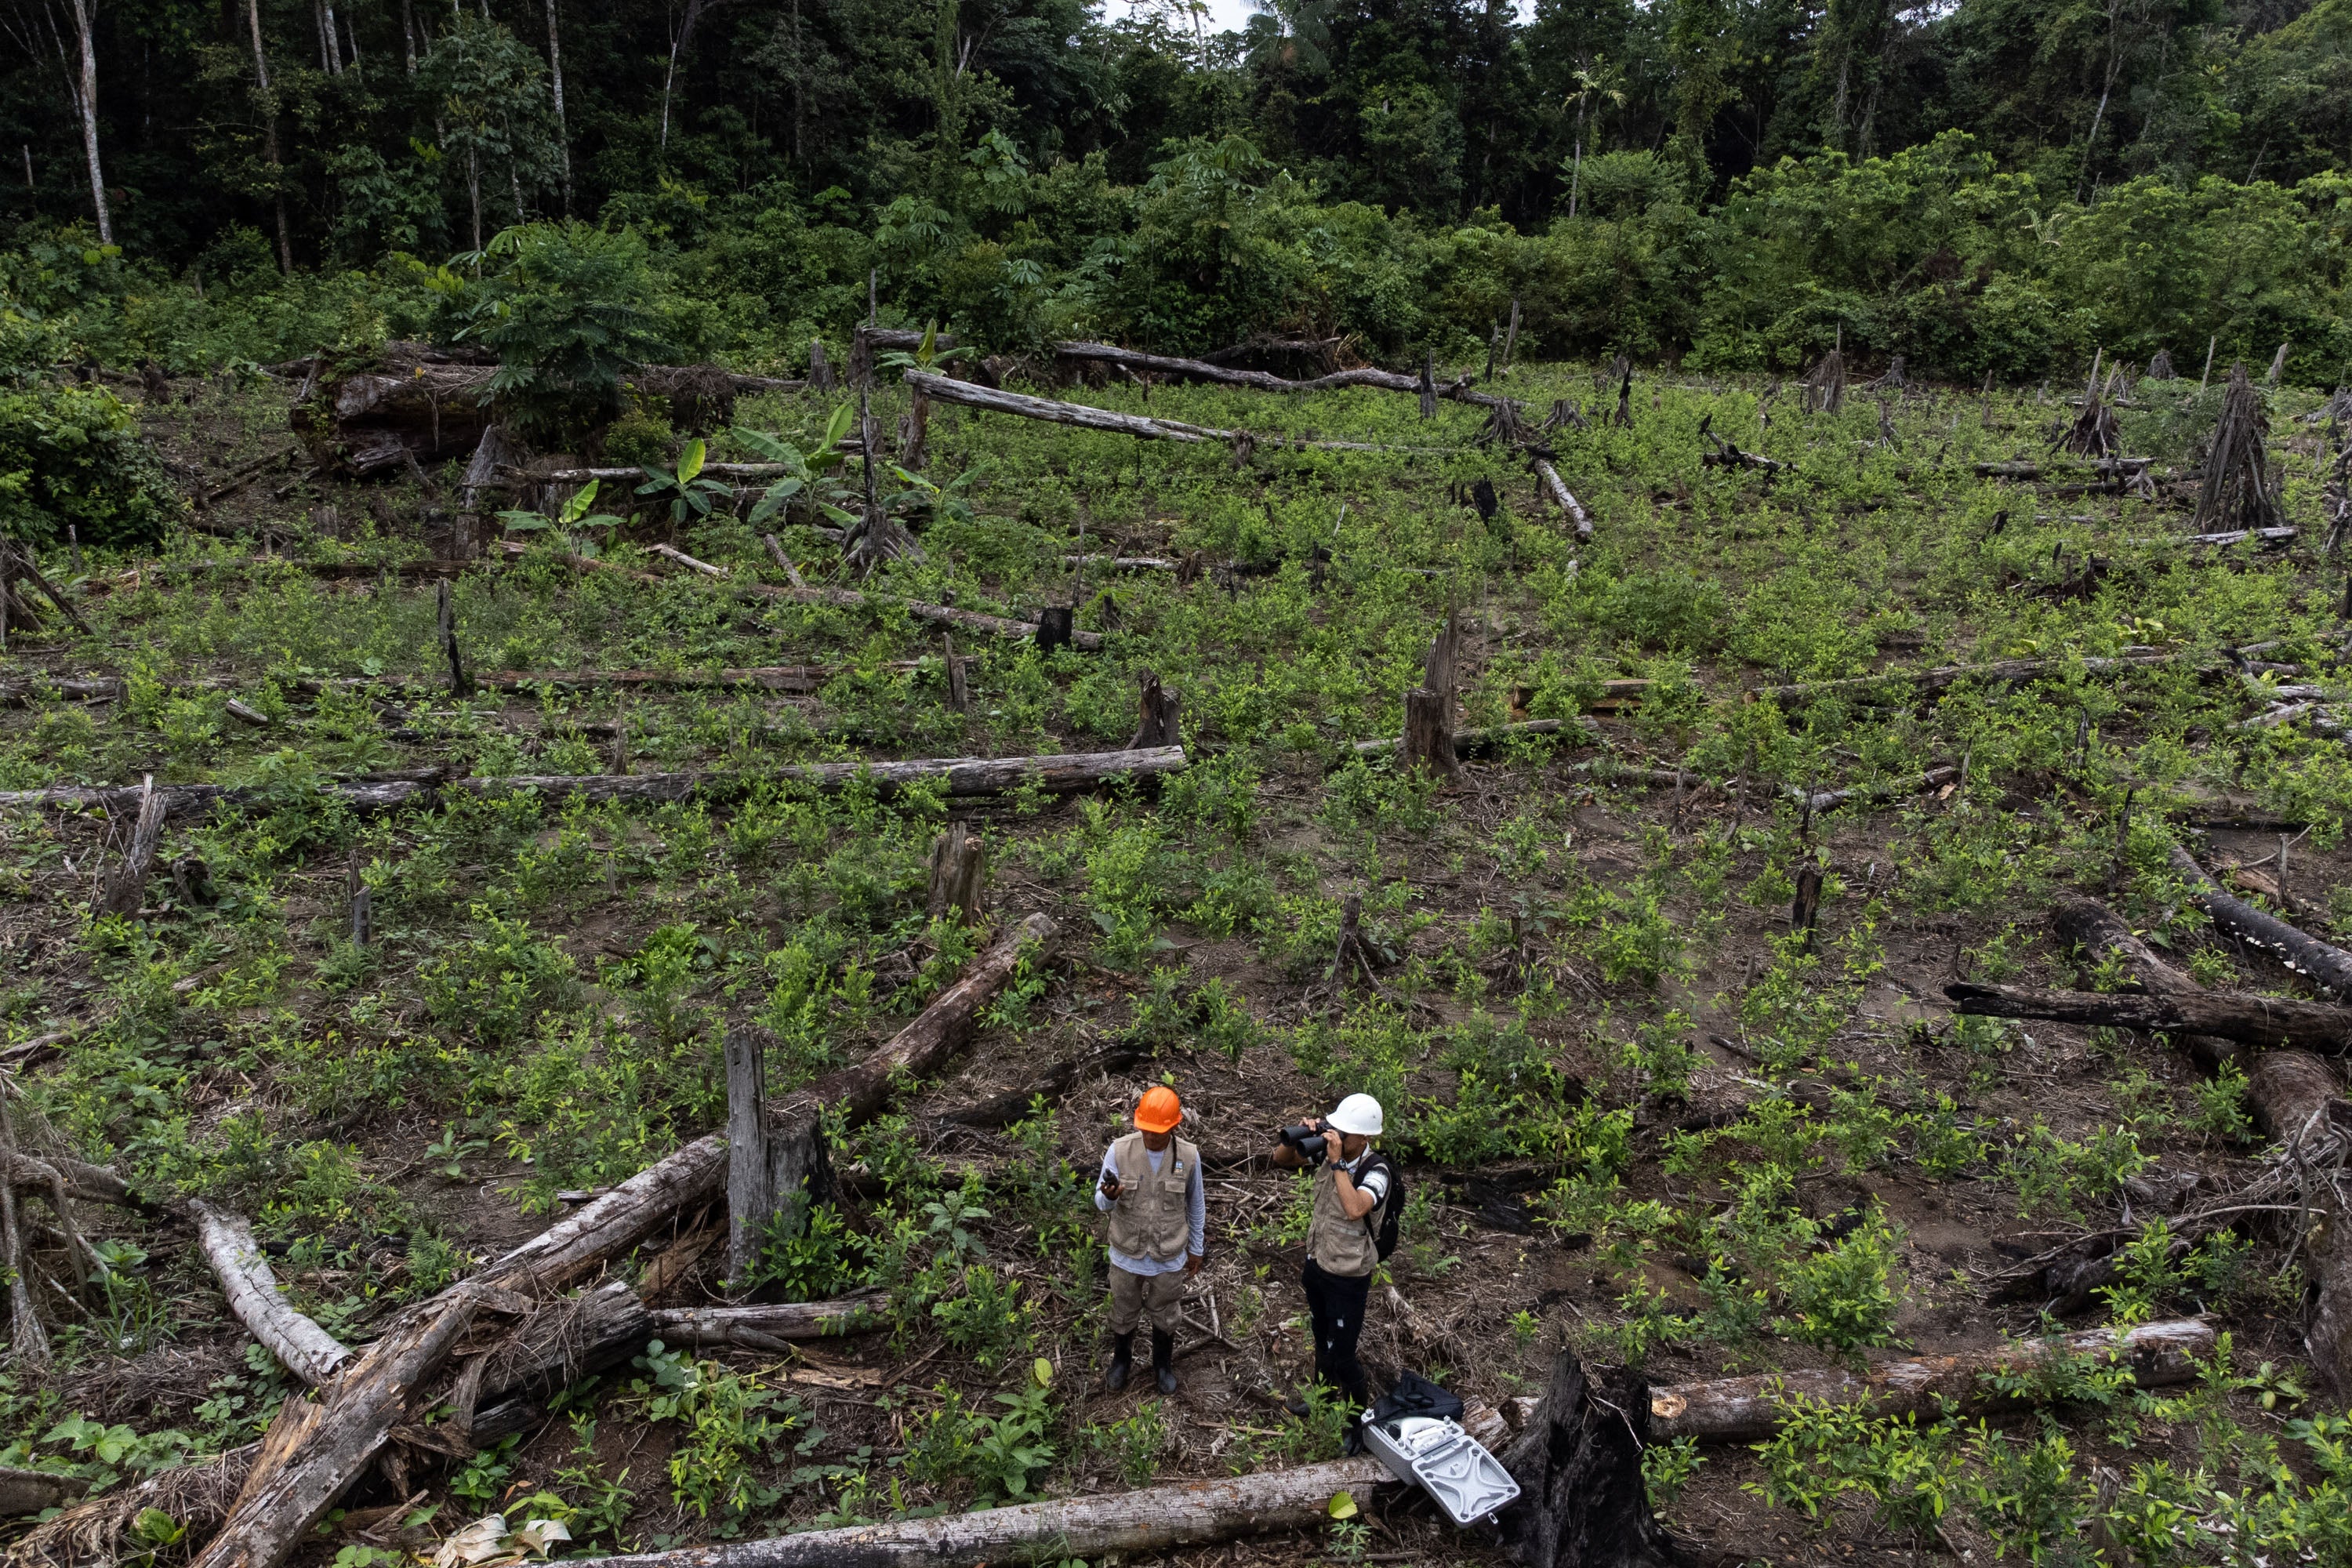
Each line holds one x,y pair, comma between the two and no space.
2325,965
961,776
300,1345
845,599
316,1451
1561,499
1200,370
32,1491
2295,1098
1156,1519
1153,1518
768,1328
1085,416
1740,1409
1926,680
2263,1022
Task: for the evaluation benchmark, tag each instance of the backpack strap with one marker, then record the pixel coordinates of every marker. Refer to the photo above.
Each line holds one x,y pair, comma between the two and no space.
1380,1162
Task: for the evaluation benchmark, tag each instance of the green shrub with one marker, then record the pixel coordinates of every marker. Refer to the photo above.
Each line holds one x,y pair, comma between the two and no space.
73,455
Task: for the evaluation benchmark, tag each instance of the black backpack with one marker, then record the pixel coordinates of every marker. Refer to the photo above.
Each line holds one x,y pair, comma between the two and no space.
1385,1238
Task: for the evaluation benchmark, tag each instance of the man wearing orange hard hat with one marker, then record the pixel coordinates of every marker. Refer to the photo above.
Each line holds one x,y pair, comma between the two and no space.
1151,1188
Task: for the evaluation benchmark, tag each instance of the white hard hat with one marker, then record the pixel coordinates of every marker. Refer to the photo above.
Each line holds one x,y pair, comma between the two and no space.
1359,1114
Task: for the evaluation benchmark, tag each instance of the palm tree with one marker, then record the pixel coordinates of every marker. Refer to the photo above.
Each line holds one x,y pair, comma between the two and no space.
1598,80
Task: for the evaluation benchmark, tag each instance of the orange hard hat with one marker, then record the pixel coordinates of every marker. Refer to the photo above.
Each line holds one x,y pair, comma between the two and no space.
1158,1110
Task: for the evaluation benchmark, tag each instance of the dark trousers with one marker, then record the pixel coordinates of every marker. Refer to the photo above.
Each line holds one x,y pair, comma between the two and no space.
1335,1302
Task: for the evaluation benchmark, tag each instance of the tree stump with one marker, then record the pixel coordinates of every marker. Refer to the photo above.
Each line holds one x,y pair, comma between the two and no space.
1055,622
1158,709
125,887
820,375
1429,732
1429,385
1582,1503
460,683
362,902
958,680
958,882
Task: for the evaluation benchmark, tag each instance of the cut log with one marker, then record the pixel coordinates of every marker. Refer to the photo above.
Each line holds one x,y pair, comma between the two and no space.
1563,500
1013,1105
670,552
962,776
1577,1459
2265,1022
300,1345
2325,965
769,1329
33,1491
959,876
1741,1409
1200,370
284,1497
1142,426
848,599
1830,799
1466,741
1926,680
126,883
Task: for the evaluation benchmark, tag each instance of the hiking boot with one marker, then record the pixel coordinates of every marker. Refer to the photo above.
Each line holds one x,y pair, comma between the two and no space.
1122,1360
1163,1361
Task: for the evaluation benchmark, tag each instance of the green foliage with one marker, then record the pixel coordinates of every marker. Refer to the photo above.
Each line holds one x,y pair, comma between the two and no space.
72,455
569,310
728,1423
1001,1455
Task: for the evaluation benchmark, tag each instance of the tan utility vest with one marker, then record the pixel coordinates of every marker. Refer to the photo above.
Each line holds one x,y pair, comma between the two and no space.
1149,1218
1340,1244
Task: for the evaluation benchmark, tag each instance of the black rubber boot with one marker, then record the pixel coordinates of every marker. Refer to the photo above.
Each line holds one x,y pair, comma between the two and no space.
1163,1359
1122,1360
1297,1404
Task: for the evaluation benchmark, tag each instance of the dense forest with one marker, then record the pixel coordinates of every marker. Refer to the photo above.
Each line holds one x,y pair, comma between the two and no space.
1987,187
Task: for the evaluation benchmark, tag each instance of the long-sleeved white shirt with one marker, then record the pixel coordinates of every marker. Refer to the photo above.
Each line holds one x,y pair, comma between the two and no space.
1196,1207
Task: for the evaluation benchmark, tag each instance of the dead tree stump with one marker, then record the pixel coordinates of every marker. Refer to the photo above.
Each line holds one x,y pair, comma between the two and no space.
820,375
958,680
1055,622
125,887
1158,709
1429,732
773,1173
460,683
1578,1461
958,883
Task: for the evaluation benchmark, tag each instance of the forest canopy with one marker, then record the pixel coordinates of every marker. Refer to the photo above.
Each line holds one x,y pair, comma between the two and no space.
1986,187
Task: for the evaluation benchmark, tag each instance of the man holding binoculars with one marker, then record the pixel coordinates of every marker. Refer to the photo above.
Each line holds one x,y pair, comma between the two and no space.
1344,1235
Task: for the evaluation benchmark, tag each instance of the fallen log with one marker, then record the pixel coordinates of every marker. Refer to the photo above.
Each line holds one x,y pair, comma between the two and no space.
32,1491
845,599
768,1328
1936,680
2112,468
2265,1022
300,1345
1741,1409
1085,416
1153,1518
2325,965
1830,799
1458,390
962,776
316,1451
1013,1104
1563,500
